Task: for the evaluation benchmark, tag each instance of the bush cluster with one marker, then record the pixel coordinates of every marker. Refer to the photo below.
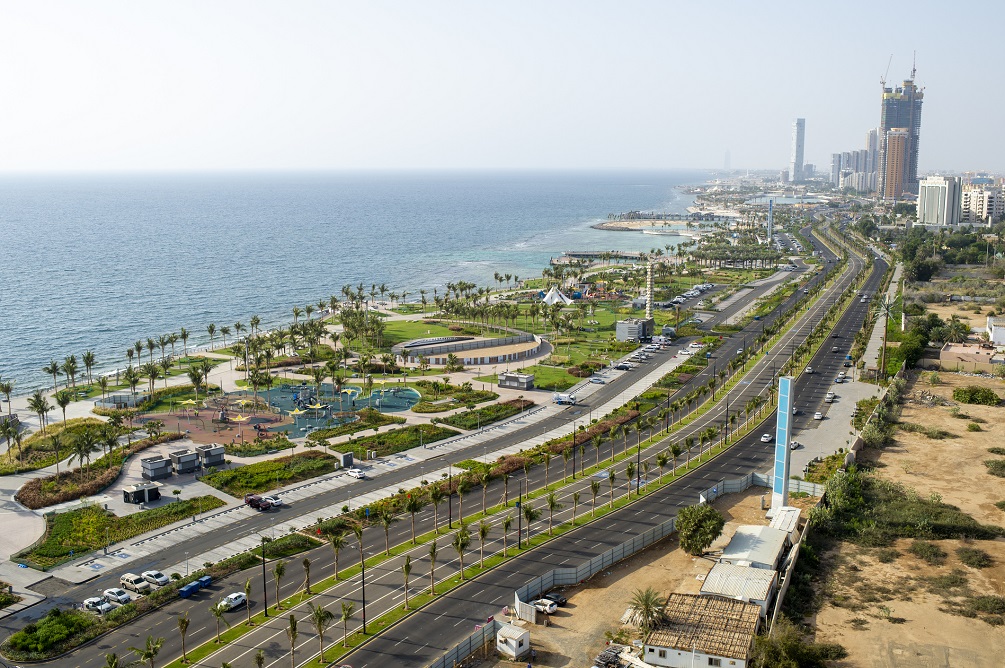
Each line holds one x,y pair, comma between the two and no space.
487,415
262,476
975,394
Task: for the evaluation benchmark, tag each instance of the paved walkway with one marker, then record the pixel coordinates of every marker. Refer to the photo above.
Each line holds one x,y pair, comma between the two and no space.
875,346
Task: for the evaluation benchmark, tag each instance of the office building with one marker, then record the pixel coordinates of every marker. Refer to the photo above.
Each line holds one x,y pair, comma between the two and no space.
900,114
836,168
895,159
982,204
939,200
798,140
872,151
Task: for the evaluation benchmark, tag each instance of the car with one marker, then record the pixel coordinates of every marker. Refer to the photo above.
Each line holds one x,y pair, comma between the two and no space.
795,411
256,502
806,290
545,606
838,380
116,595
765,438
356,473
739,351
842,374
98,605
155,577
835,335
235,600
795,445
597,381
624,366
274,500
818,416
556,598
835,349
696,345
846,363
809,370
684,352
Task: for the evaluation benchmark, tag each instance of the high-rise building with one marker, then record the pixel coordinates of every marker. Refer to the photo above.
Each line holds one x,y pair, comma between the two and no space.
835,168
872,150
895,160
901,110
939,200
982,204
796,160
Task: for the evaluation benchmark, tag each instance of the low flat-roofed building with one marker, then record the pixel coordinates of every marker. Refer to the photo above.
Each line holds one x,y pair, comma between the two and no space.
753,585
973,357
756,546
634,329
516,381
513,641
703,631
786,519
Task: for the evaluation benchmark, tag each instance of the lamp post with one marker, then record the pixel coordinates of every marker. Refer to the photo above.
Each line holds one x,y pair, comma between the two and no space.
265,589
450,497
573,449
186,564
519,517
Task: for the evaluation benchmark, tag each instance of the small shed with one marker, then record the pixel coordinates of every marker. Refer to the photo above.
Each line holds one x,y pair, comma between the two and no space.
184,461
156,467
143,492
787,519
755,545
743,583
516,381
513,642
344,459
211,455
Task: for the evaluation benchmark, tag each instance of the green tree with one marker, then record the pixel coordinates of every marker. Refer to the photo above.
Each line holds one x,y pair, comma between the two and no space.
348,608
611,479
406,570
338,540
278,571
648,609
483,532
553,505
531,514
697,527
291,635
413,505
506,523
149,651
436,495
787,647
386,517
306,563
594,490
63,399
432,567
183,622
460,542
219,610
320,619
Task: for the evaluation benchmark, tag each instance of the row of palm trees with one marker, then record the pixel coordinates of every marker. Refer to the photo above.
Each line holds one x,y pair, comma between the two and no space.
70,368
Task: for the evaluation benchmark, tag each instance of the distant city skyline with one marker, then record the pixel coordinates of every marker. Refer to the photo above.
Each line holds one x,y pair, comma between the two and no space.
112,86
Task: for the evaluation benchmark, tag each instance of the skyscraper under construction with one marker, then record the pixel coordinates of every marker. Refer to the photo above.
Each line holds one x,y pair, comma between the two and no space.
899,132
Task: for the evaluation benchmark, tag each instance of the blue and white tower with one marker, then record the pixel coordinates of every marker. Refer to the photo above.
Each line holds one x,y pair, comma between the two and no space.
783,429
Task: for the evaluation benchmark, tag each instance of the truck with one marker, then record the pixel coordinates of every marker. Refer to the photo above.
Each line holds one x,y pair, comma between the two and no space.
564,399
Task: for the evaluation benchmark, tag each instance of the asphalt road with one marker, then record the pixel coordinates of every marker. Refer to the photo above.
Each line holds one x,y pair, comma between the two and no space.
384,585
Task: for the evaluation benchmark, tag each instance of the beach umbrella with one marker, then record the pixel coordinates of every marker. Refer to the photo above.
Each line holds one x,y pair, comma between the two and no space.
241,419
296,413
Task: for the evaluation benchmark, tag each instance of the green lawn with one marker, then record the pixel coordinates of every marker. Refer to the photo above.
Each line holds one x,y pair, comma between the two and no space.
263,476
480,417
398,440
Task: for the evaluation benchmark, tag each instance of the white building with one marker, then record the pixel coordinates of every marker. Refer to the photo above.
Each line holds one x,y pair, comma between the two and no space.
982,205
703,631
939,200
798,142
996,330
755,545
743,583
513,642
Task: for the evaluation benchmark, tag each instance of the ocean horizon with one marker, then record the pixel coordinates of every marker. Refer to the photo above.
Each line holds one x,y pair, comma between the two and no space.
97,261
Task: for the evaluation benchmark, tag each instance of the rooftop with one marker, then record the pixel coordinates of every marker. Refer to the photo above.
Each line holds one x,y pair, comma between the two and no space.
786,519
755,544
708,624
739,582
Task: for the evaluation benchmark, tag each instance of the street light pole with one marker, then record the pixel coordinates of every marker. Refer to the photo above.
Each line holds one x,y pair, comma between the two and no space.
450,497
265,589
519,518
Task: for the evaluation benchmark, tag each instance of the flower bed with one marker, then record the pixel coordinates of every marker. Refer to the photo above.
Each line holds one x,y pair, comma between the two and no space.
75,533
262,476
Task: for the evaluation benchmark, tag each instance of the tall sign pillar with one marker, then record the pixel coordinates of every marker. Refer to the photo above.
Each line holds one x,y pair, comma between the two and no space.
780,479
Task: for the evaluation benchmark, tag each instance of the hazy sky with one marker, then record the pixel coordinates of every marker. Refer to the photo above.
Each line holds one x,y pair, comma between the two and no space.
101,85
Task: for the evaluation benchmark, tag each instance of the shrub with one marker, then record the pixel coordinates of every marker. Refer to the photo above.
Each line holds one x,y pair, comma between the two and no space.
992,605
51,632
489,414
262,476
887,555
973,426
973,557
974,394
928,552
996,467
997,451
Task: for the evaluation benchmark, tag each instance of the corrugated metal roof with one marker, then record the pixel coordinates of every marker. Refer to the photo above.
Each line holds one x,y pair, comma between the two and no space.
755,544
741,582
786,519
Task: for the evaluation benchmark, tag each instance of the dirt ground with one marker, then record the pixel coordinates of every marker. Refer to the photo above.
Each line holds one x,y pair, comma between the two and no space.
895,614
576,634
964,311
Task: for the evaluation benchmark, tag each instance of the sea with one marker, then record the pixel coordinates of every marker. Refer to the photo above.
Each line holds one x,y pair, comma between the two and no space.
96,262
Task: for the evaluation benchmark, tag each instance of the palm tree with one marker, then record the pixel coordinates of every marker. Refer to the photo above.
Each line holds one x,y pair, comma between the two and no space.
63,399
211,330
218,611
406,570
183,622
348,608
278,571
484,480
611,477
54,370
413,505
39,405
547,468
597,440
436,498
648,609
662,459
82,446
462,487
553,505
339,541
506,523
6,389
291,635
594,490
306,563
320,619
113,661
184,334
247,598
483,532
150,651
259,659
575,504
531,514
432,567
566,454
386,517
885,308
88,359
460,543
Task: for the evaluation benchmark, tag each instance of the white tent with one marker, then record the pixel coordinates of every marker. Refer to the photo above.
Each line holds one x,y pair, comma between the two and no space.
554,297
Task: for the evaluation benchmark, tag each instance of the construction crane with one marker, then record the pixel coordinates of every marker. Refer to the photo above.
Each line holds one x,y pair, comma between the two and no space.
882,79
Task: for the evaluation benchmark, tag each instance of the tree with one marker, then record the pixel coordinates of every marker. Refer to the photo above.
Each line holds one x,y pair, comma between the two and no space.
575,504
630,473
278,571
787,647
54,370
291,635
386,517
697,527
460,543
611,478
259,658
406,570
150,651
484,480
63,399
432,567
112,661
339,541
320,619
183,622
218,611
647,609
594,490
507,523
662,459
531,514
247,598
82,447
307,573
553,505
348,608
436,498
462,488
413,505
483,532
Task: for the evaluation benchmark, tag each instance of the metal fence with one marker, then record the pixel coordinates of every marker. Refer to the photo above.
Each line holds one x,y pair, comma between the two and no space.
467,345
481,638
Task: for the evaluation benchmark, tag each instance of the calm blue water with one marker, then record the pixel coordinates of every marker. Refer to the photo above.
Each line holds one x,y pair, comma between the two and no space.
97,262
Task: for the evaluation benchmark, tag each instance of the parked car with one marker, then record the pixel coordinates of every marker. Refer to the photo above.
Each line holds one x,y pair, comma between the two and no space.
795,445
134,582
235,600
545,606
556,598
356,473
116,595
274,500
597,381
257,502
839,380
818,416
846,363
765,438
98,605
155,577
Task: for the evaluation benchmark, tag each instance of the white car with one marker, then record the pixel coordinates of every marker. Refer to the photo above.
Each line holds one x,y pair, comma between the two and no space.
818,416
696,345
117,595
98,605
765,438
235,600
156,578
356,473
274,500
809,370
684,352
795,445
545,606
